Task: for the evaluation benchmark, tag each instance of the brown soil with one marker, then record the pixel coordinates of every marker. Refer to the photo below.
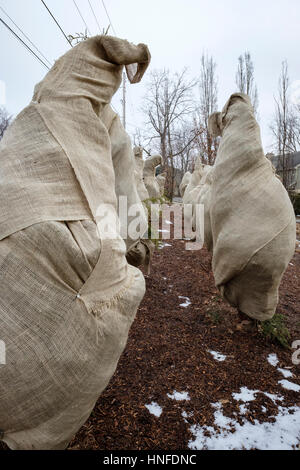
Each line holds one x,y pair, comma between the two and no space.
168,348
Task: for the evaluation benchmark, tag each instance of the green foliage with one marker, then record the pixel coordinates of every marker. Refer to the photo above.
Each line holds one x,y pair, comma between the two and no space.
214,315
276,330
215,311
295,198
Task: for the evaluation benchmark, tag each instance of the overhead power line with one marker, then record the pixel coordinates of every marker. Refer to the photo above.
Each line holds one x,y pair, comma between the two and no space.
25,36
94,15
24,44
82,17
53,17
114,31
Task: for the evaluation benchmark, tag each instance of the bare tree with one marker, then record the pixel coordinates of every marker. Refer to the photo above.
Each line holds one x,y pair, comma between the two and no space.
168,104
285,126
208,88
185,146
244,79
5,120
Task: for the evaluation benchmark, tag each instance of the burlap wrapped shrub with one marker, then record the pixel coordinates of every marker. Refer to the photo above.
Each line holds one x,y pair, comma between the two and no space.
139,173
68,296
252,219
150,180
184,182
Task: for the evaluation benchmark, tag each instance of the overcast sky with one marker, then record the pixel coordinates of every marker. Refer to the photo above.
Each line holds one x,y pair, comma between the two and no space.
176,31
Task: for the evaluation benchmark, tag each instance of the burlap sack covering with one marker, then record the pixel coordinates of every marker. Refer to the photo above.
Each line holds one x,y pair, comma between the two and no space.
252,218
161,179
202,196
139,173
193,189
194,181
184,182
68,295
127,184
150,180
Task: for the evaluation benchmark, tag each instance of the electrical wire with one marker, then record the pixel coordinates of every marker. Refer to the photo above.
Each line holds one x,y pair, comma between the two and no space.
82,17
114,31
94,15
53,17
25,36
23,43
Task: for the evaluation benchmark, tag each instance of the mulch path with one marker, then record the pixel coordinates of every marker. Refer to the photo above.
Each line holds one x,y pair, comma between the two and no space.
168,349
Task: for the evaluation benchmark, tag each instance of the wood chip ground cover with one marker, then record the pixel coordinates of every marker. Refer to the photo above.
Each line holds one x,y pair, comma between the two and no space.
169,351
197,401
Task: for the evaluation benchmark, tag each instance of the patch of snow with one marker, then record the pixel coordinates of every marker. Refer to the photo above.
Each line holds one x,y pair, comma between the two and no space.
243,409
187,302
228,434
245,395
218,356
163,245
186,415
289,385
168,222
273,397
273,359
286,373
154,409
263,409
163,231
179,396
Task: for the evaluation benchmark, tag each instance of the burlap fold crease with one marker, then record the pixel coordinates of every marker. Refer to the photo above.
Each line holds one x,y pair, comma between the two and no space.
67,294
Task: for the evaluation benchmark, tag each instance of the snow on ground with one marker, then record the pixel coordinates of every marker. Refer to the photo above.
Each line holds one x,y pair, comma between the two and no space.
273,397
154,409
229,434
186,415
289,385
186,303
273,359
245,395
179,396
218,356
286,373
163,245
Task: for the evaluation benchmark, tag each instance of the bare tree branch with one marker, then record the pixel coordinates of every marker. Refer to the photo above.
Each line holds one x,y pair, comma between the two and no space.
5,120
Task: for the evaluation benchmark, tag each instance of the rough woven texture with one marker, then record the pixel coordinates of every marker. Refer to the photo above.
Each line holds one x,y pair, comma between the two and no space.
68,295
195,185
161,179
203,196
139,173
184,182
150,180
252,218
124,165
194,180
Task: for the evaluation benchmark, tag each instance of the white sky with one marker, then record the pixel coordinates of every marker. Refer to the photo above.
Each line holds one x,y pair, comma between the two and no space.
176,31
